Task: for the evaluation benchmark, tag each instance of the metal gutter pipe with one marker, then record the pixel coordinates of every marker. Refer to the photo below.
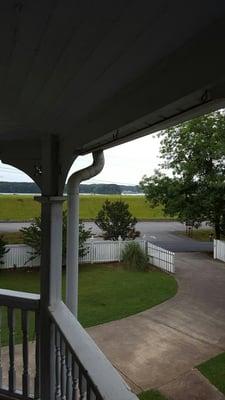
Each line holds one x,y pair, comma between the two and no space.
72,255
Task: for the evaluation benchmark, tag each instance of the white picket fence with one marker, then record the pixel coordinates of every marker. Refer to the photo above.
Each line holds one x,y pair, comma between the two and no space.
18,256
219,250
106,250
162,258
98,251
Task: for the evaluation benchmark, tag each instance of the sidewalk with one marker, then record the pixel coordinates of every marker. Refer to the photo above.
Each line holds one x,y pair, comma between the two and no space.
191,386
159,348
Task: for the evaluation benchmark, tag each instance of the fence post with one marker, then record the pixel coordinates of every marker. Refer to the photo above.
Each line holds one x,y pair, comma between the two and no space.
145,245
119,242
215,245
92,249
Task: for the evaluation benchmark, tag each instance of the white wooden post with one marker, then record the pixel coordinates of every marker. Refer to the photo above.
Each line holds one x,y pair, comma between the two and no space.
92,249
215,249
119,241
51,261
54,205
145,245
51,284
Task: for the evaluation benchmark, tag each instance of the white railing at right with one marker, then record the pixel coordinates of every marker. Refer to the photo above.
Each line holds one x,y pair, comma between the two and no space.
162,258
80,369
219,250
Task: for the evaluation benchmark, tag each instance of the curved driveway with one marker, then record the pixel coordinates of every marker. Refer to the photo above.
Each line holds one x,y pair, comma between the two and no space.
159,347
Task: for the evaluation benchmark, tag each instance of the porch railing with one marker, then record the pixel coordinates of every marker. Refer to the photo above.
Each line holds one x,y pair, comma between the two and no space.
82,372
17,311
79,370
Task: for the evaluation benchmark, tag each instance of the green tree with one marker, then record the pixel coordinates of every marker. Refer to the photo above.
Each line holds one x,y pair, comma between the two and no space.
179,198
194,152
3,249
32,237
115,220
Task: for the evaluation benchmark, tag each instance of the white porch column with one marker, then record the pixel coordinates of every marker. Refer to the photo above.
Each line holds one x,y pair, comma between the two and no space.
51,285
51,258
53,243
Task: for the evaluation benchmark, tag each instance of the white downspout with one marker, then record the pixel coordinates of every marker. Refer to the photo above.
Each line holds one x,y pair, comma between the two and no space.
72,255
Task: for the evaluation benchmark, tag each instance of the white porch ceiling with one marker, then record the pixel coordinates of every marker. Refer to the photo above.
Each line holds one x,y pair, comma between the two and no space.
97,73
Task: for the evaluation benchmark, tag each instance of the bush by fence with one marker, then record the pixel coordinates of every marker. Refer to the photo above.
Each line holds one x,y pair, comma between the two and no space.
98,251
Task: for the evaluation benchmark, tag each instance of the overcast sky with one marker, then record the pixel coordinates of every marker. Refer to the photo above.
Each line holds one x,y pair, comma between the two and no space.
124,164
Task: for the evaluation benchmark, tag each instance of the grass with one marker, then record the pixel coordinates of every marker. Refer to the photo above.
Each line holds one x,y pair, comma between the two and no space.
151,395
106,292
214,371
12,237
18,208
198,234
25,208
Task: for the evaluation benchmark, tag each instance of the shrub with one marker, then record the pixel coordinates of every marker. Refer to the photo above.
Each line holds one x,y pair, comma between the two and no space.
134,257
115,220
32,237
3,250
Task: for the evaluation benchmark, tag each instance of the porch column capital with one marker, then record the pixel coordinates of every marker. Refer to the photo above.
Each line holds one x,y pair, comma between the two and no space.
50,199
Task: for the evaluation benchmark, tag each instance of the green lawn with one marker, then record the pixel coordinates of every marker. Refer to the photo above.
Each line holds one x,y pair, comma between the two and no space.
151,395
24,208
106,292
198,234
12,237
214,371
18,208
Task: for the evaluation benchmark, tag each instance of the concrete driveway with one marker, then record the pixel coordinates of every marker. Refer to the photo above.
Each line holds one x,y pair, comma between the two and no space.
159,348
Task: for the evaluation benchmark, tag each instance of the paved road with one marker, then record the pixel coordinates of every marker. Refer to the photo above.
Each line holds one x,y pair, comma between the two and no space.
160,233
12,226
163,234
159,348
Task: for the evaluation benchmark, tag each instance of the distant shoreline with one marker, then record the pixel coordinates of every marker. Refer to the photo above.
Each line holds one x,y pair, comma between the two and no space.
65,194
31,188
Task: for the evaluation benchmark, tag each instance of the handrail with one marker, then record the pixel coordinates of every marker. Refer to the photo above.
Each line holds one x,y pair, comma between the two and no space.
24,300
17,310
97,368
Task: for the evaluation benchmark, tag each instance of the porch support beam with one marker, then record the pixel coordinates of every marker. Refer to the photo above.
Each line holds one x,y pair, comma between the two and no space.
51,259
51,286
54,207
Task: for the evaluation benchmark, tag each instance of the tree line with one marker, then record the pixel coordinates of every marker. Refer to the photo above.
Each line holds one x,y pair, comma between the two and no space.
31,187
